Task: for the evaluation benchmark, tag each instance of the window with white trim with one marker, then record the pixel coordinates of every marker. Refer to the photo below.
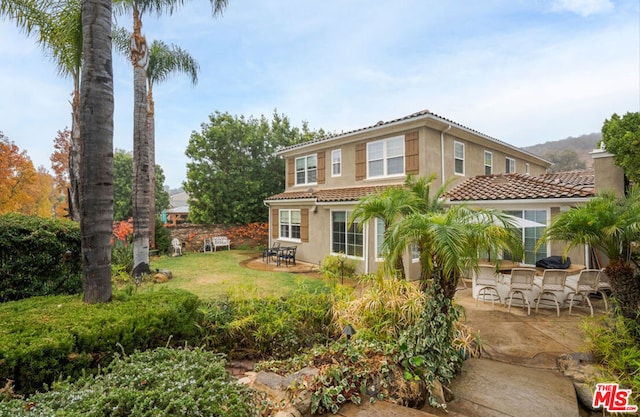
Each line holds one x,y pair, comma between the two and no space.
488,163
336,162
379,238
346,240
458,158
415,252
385,158
527,169
536,222
510,165
306,170
290,224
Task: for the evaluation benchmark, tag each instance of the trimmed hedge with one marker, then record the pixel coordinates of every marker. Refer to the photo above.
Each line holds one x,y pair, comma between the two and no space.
43,338
160,383
38,257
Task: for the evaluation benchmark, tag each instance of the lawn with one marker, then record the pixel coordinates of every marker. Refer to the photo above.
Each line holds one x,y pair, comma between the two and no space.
214,275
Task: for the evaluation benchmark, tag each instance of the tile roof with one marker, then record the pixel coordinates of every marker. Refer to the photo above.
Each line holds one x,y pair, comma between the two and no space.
573,184
329,195
416,115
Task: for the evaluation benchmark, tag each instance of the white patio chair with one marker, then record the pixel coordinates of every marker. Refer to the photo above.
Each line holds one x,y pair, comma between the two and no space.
521,283
587,284
177,246
552,285
486,279
207,245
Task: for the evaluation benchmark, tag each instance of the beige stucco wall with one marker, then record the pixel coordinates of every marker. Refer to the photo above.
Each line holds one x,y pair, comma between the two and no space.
609,176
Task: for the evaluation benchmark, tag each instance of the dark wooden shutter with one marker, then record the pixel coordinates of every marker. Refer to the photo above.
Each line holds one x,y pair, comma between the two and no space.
275,223
411,158
361,161
321,167
304,224
291,172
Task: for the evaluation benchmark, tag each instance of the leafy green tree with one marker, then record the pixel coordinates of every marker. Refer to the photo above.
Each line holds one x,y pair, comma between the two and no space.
123,187
611,225
621,137
233,166
564,160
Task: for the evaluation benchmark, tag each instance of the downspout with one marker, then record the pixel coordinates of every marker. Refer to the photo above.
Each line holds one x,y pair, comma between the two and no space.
268,222
442,153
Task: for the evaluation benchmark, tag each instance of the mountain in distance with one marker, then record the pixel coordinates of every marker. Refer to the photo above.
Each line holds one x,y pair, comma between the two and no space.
582,145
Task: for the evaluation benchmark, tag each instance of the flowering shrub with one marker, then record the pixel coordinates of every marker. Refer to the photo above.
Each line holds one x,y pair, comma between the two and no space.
122,250
250,235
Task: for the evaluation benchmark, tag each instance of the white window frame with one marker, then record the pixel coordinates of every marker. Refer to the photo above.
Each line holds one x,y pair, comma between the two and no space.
527,168
336,162
307,171
488,154
456,157
385,157
353,230
523,213
510,165
291,227
415,252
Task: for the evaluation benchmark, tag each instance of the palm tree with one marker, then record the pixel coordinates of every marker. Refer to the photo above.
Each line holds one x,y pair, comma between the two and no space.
610,225
141,143
451,241
164,60
96,160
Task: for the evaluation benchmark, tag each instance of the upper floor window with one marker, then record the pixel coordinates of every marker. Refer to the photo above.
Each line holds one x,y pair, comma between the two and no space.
385,157
458,158
510,165
336,162
527,169
306,170
488,163
290,224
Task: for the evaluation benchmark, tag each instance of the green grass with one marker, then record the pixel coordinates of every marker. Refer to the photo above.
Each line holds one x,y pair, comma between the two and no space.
213,275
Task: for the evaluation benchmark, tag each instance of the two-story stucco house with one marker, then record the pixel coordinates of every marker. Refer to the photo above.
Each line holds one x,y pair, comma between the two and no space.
326,177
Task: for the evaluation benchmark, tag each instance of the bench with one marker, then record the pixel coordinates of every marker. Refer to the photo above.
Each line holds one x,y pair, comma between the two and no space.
221,241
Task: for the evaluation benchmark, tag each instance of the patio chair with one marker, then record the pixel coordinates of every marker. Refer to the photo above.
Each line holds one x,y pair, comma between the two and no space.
207,245
587,284
604,287
271,252
521,283
486,279
288,255
177,246
552,285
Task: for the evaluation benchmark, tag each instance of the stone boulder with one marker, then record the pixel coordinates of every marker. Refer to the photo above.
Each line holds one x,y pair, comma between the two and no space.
580,368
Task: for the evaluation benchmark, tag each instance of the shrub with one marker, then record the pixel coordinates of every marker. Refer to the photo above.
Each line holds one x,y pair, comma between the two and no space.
44,337
267,327
38,256
163,237
161,382
337,266
615,343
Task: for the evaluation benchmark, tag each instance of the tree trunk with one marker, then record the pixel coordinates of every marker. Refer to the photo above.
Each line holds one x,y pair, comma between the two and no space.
141,180
152,169
96,151
625,288
74,156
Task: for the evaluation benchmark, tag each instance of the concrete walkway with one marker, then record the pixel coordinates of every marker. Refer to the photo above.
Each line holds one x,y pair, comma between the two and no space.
517,375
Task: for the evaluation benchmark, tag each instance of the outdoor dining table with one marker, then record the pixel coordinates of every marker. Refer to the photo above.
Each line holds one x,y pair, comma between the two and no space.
278,251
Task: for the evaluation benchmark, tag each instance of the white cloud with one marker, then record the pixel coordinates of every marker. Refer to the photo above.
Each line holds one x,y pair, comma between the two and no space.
582,7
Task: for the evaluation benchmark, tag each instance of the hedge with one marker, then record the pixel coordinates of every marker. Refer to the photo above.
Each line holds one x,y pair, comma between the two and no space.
38,257
43,338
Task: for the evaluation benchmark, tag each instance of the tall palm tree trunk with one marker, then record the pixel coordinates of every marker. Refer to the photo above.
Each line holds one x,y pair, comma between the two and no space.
141,165
96,150
152,168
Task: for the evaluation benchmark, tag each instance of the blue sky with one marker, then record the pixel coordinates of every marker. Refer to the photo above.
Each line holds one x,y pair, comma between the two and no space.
522,71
